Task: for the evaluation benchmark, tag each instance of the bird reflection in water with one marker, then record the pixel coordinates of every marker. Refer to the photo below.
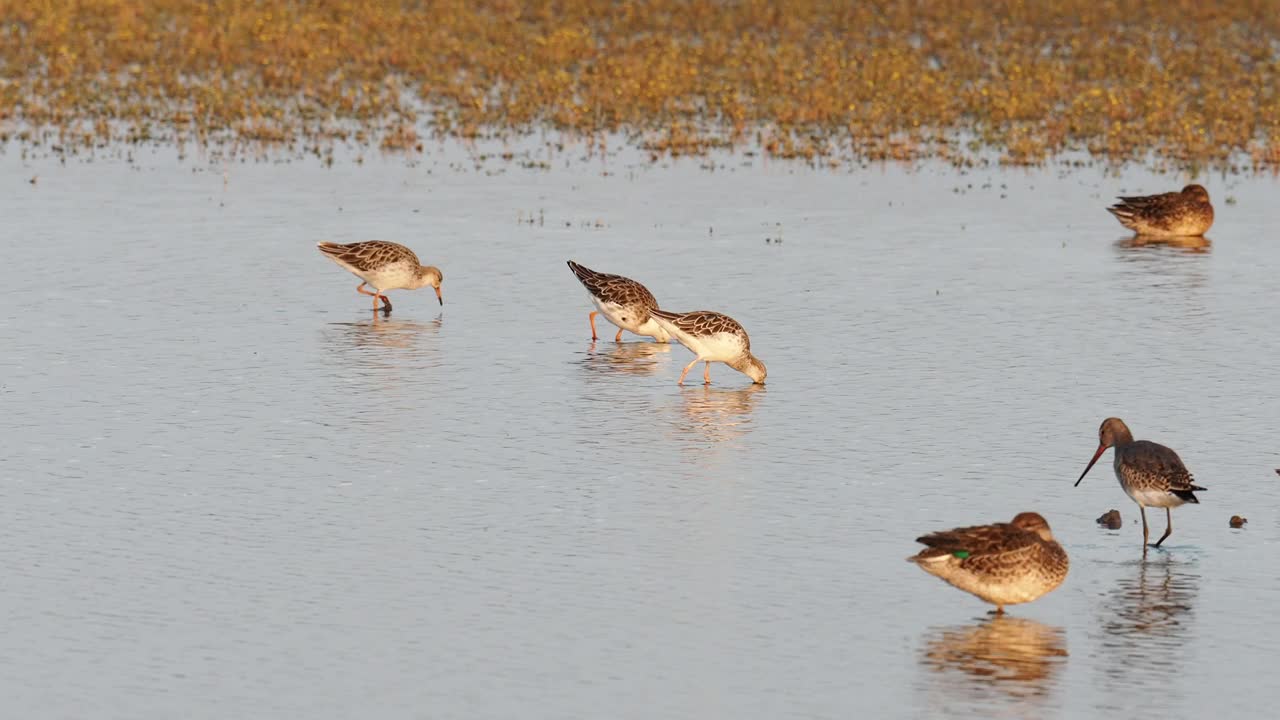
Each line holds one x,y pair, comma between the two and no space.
996,660
718,414
1144,622
384,340
1180,245
1177,264
629,358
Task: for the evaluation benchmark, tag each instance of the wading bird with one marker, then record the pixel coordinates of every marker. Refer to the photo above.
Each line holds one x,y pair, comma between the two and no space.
1149,473
385,266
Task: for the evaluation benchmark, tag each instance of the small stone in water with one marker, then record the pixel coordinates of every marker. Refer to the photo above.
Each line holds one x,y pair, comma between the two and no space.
1110,520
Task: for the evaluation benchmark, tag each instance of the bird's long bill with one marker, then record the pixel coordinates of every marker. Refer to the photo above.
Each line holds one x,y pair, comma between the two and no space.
439,297
1101,449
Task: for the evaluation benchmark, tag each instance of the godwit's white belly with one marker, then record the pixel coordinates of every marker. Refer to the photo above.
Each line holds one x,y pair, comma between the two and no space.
1154,498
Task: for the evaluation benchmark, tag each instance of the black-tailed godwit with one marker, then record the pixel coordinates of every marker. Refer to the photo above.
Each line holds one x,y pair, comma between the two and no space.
1151,474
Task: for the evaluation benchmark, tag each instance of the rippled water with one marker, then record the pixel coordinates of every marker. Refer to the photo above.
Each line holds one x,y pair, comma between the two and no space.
228,490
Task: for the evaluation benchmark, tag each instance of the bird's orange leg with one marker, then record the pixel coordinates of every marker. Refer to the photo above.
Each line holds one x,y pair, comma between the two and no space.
706,373
618,337
687,368
376,296
592,318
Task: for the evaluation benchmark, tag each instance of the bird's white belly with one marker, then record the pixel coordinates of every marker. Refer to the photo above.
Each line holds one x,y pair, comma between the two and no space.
392,277
619,315
1153,498
721,347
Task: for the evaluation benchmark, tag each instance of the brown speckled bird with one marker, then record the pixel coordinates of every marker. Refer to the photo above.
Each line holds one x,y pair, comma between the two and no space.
1003,564
1149,473
385,266
713,337
623,301
1174,214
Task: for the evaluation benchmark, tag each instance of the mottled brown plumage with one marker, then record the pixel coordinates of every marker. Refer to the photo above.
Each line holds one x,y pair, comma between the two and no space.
713,337
623,301
1003,564
385,266
1149,473
1184,213
705,322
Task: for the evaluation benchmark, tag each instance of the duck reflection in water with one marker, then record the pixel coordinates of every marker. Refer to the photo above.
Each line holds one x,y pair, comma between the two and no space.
1181,245
1168,263
631,358
999,659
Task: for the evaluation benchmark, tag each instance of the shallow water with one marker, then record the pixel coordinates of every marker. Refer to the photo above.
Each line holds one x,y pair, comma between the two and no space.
227,489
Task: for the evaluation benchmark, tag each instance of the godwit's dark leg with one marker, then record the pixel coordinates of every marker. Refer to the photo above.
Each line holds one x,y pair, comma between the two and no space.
687,368
618,337
1168,512
592,319
706,373
1145,536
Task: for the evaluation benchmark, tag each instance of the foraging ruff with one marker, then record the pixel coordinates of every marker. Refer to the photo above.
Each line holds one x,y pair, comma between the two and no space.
623,302
385,266
712,337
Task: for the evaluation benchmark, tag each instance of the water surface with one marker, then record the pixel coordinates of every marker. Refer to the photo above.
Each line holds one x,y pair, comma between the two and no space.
227,489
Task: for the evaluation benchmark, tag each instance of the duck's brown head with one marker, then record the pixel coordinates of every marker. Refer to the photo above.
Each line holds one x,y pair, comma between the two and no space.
1033,522
1196,192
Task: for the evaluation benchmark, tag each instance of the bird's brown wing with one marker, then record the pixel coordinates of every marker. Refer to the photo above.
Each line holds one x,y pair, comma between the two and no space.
978,542
614,288
1146,459
702,323
368,255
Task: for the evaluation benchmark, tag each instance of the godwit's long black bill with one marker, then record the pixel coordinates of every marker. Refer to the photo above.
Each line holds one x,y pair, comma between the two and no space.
1101,449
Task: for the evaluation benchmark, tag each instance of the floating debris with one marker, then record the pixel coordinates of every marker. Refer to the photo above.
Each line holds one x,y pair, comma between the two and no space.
1110,520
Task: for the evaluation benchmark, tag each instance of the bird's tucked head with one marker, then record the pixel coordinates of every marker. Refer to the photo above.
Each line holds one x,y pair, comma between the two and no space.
1197,192
1033,522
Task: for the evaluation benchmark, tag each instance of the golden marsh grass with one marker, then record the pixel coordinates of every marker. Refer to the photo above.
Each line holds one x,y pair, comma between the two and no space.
1181,82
